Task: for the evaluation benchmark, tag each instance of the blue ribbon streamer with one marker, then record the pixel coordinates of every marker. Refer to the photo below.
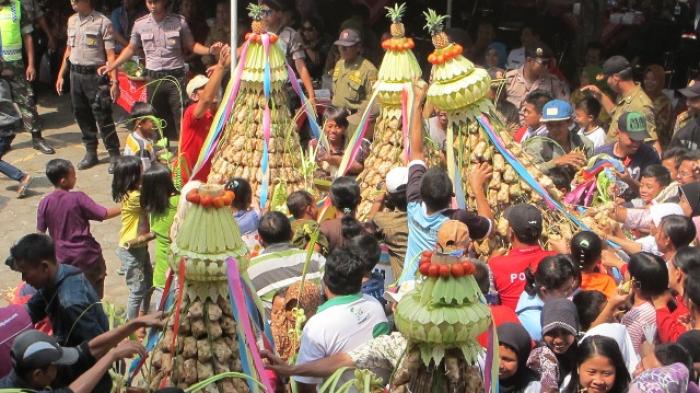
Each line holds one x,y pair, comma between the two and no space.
266,182
245,363
310,115
255,313
459,190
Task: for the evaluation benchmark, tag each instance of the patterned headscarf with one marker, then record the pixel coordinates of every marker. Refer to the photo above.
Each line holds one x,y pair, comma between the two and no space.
669,379
285,313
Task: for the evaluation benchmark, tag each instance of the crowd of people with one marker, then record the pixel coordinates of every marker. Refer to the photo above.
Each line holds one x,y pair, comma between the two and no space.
612,309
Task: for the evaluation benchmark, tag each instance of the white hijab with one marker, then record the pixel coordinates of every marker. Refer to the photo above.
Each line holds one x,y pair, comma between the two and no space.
617,332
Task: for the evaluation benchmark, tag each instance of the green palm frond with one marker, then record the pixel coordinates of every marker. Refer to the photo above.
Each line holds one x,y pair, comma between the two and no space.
396,12
255,11
434,21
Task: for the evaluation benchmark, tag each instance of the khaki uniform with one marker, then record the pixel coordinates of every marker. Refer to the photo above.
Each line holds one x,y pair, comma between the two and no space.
164,44
517,88
352,83
89,39
636,101
682,119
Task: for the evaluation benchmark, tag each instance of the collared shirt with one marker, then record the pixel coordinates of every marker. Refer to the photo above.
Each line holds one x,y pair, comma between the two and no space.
517,87
688,136
529,132
636,101
341,324
352,83
508,271
136,145
279,266
635,163
72,306
89,37
164,43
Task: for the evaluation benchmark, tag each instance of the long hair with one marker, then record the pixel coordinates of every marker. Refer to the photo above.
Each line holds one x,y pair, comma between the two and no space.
127,177
586,248
345,196
156,189
602,346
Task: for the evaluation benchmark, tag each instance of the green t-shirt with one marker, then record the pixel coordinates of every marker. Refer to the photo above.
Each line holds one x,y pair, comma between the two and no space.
160,226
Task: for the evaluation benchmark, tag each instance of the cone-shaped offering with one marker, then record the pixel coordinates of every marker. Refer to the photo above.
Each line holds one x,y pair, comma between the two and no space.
200,338
259,142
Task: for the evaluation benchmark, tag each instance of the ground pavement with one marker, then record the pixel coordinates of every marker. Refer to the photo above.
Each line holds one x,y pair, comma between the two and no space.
18,216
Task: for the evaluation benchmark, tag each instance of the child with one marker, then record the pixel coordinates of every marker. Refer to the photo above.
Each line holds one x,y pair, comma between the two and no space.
66,215
159,199
587,111
654,180
649,276
600,367
329,157
132,249
367,248
302,207
532,109
246,217
139,143
561,177
586,249
345,196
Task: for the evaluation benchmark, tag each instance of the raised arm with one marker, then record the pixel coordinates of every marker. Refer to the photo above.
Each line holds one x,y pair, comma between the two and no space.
420,89
209,92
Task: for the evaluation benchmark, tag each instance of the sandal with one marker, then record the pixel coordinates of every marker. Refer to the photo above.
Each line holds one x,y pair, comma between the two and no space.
24,186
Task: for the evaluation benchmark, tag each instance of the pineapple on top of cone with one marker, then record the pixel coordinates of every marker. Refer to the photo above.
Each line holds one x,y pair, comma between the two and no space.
461,89
398,70
240,152
441,318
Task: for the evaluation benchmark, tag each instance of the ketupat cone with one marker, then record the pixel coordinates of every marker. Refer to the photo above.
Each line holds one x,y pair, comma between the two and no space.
206,341
460,89
398,69
240,150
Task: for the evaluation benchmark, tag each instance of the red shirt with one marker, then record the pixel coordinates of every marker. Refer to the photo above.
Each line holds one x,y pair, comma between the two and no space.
668,323
500,315
509,271
194,132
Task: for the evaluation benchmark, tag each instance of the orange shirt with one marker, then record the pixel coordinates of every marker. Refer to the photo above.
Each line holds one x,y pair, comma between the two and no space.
599,282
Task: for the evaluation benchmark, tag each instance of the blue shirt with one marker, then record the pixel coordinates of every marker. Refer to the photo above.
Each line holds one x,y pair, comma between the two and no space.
635,163
423,227
247,221
529,311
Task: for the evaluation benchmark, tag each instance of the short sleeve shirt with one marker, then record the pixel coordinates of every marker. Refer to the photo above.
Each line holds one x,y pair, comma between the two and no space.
89,37
131,217
67,215
509,271
163,43
636,101
635,163
423,227
517,88
194,131
341,324
688,136
353,83
138,146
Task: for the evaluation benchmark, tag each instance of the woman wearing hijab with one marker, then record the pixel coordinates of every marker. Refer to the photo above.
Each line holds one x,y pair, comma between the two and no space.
690,203
495,57
654,82
515,346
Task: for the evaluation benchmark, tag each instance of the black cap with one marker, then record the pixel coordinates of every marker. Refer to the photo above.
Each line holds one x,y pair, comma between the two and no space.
525,219
614,65
34,349
538,50
692,90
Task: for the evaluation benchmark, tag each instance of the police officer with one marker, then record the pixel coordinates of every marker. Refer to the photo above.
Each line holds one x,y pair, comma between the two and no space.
353,75
90,45
15,32
164,38
630,97
531,76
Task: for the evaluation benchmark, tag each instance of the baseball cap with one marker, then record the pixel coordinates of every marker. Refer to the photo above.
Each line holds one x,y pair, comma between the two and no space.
692,90
614,65
348,37
34,349
556,110
524,219
396,178
195,83
452,236
634,124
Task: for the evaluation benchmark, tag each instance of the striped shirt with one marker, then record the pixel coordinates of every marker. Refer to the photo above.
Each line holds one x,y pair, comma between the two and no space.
279,266
636,320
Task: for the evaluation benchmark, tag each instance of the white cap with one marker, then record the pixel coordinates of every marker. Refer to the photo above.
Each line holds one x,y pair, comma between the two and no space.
661,210
195,83
396,178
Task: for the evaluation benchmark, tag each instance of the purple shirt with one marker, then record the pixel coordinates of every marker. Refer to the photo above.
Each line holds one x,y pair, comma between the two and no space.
67,217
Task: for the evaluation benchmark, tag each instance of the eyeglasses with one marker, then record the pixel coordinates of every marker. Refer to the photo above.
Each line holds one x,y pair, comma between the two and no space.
266,11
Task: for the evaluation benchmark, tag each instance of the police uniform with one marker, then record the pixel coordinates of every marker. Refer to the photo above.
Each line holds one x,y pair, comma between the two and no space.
517,87
352,81
89,39
164,44
14,25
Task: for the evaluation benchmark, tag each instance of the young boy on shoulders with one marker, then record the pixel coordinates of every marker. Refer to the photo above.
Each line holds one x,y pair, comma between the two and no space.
66,215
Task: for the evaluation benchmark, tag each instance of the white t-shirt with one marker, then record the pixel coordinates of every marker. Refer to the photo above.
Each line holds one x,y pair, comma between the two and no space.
341,324
516,58
597,136
437,133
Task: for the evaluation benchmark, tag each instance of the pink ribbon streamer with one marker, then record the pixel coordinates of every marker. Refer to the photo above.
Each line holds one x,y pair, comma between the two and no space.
239,299
404,123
